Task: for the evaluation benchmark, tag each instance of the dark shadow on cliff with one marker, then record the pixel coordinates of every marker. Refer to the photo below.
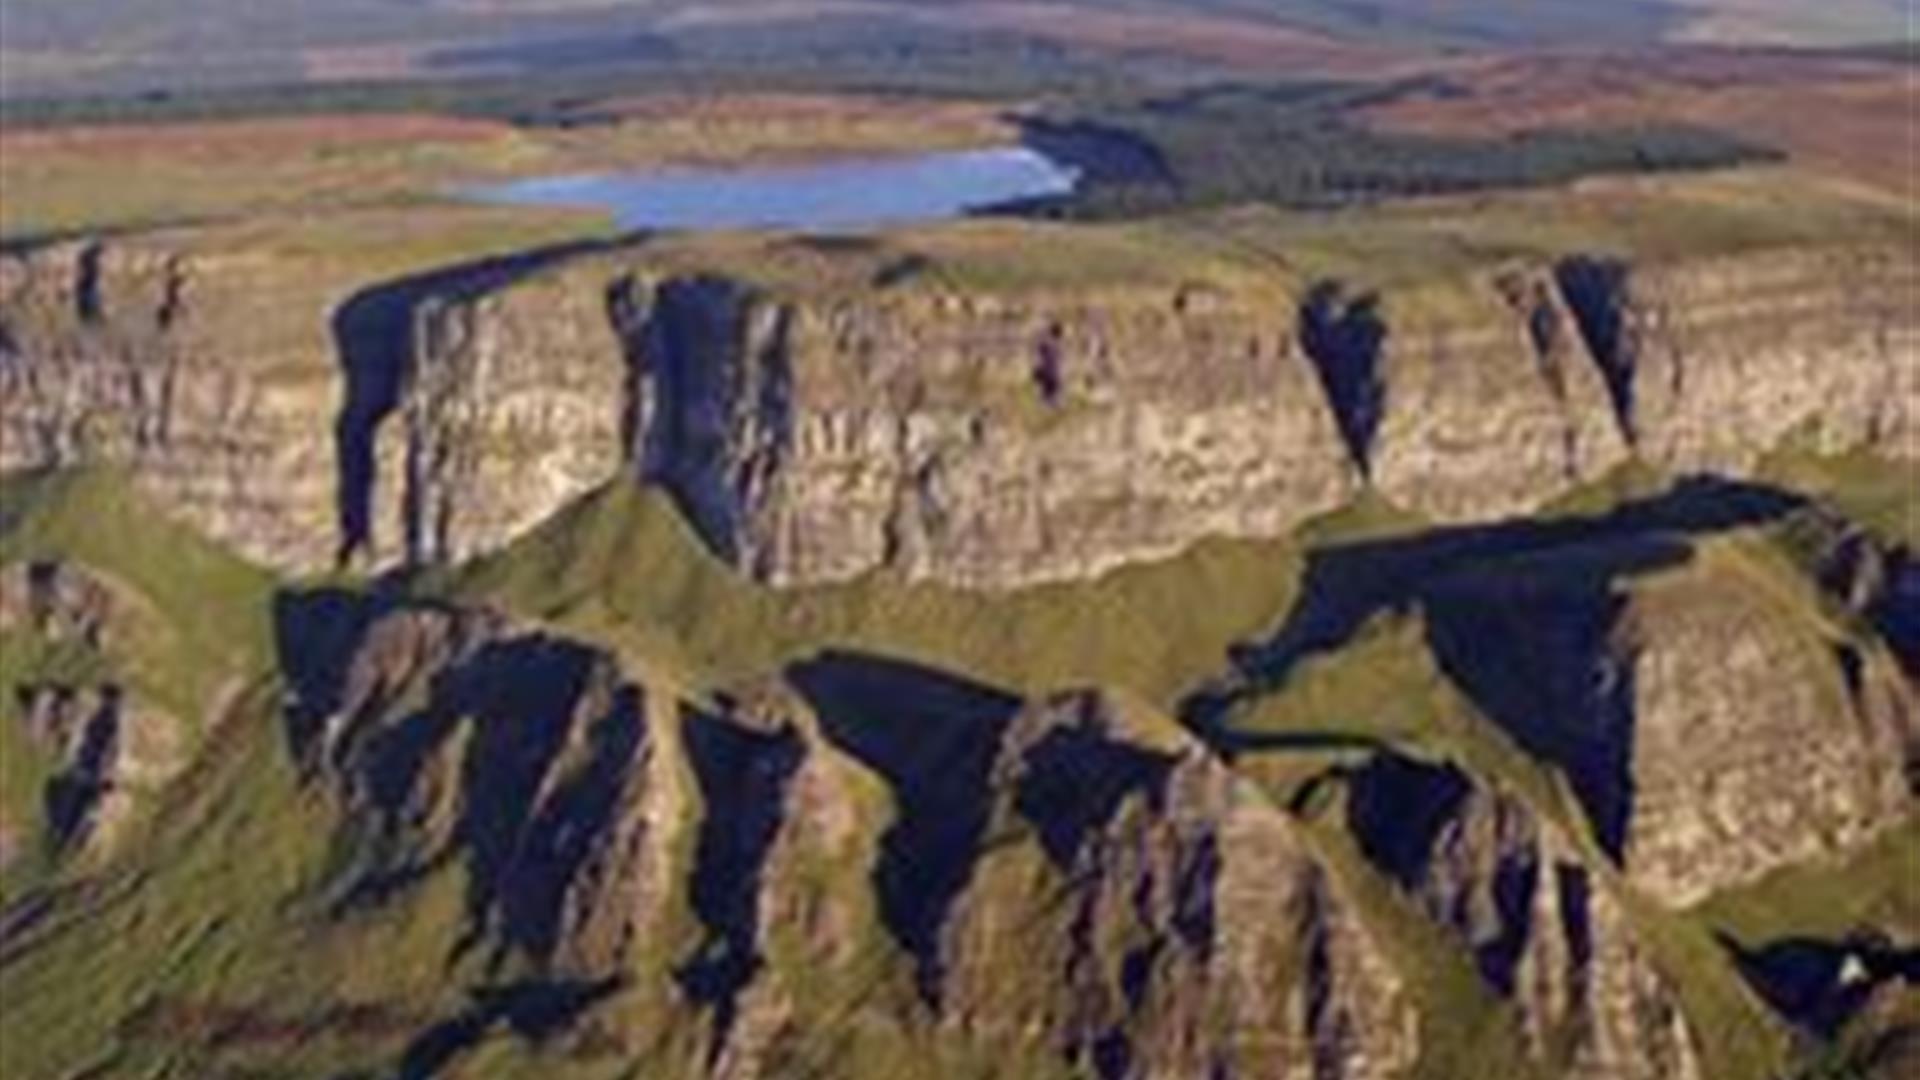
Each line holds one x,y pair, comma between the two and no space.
528,816
315,635
373,334
563,830
1344,337
1895,610
692,362
1594,290
743,775
1519,615
1820,985
1345,586
1074,780
534,1011
1398,810
1540,658
934,738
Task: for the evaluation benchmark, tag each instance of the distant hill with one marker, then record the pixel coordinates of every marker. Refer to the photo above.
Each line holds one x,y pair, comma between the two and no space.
65,47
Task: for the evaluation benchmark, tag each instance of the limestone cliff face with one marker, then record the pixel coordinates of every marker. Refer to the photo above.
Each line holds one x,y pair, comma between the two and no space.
164,363
302,424
974,439
982,436
1713,361
992,439
511,406
1756,744
1474,403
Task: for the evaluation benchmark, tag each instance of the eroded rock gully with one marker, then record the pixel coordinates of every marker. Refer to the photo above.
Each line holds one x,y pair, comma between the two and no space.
979,437
1712,722
1545,931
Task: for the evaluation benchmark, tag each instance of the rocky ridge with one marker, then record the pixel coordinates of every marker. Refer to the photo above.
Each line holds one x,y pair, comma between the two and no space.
612,834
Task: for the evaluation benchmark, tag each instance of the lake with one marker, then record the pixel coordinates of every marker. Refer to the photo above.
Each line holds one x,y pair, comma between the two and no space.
843,193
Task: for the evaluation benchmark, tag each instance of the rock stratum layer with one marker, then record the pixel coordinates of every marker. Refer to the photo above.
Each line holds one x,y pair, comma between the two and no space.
972,435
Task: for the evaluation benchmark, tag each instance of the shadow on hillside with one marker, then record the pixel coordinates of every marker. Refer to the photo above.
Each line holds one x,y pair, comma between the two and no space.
1520,615
1398,810
1074,780
316,633
536,1011
1820,984
1344,336
934,738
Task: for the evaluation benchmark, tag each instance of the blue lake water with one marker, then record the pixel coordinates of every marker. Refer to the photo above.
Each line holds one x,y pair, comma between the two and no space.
846,193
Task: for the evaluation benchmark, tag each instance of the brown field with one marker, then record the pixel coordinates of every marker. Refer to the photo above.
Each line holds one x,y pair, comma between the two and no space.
1843,117
55,180
1259,46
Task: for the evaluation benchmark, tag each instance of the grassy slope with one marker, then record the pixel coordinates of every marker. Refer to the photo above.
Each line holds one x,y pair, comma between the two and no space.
622,562
186,911
189,623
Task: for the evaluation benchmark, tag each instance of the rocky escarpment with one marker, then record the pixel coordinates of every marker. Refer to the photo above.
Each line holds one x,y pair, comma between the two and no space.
1545,931
277,404
979,440
883,860
165,363
528,758
1716,715
1464,407
1712,735
974,434
107,751
1187,902
1714,361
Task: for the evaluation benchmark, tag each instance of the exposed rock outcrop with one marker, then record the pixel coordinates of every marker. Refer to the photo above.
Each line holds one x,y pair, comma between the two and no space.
1713,361
1187,926
174,367
1489,404
975,439
106,749
883,845
1713,730
60,602
529,758
1757,744
977,435
1544,930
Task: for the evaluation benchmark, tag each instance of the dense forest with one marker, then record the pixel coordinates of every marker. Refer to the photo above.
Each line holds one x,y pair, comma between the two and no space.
1297,144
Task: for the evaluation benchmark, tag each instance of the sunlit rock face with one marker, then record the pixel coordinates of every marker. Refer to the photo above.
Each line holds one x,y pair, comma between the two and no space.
985,437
